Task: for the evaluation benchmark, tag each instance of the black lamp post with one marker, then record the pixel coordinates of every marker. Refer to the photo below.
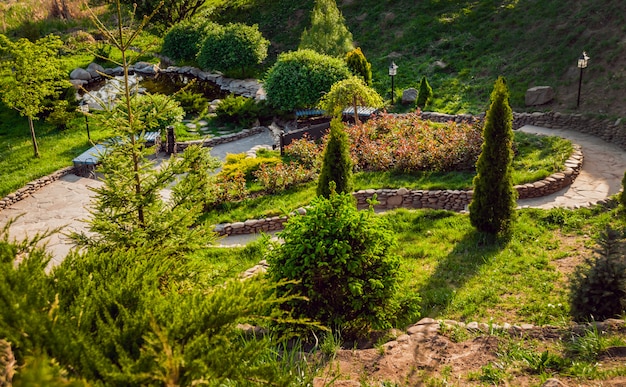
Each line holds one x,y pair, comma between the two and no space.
84,108
582,64
393,68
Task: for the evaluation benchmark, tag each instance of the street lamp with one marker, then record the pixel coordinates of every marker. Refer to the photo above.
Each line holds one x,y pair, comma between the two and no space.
582,64
84,108
392,73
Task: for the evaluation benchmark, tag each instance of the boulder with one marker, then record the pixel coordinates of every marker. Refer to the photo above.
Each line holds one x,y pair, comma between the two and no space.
409,96
539,95
81,74
146,68
95,70
78,83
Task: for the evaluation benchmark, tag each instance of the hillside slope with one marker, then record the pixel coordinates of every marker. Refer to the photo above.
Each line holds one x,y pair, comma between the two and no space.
462,46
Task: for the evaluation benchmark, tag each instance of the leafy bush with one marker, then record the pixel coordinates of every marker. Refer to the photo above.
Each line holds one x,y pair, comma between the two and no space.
336,162
236,46
183,41
239,110
328,33
341,259
299,79
281,176
192,103
598,287
409,144
359,65
240,163
305,152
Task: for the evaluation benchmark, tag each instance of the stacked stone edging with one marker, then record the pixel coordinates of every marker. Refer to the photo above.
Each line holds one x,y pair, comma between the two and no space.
32,187
213,141
453,200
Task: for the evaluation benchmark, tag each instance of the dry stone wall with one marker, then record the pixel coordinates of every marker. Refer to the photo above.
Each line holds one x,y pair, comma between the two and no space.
33,187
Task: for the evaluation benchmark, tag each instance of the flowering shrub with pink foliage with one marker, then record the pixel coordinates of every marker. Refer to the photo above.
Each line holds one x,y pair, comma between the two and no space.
407,143
278,177
304,151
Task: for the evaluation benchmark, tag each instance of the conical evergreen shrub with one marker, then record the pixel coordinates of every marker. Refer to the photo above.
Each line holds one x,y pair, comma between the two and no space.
493,205
359,66
424,94
336,163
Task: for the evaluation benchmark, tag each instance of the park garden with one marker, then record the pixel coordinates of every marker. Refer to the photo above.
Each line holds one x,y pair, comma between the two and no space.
149,300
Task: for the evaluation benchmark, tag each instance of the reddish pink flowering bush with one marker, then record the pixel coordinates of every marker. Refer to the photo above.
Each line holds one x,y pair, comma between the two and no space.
406,143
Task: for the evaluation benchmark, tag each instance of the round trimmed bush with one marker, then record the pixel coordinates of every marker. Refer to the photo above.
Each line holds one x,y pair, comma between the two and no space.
298,79
182,42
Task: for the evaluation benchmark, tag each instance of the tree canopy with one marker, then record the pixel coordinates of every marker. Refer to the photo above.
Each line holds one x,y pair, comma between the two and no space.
353,92
30,74
328,33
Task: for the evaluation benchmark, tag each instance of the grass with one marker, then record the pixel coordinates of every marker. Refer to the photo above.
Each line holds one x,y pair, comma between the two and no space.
57,148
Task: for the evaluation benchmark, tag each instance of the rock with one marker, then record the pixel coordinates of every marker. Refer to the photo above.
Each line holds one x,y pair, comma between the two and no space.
95,70
539,95
552,382
440,65
81,74
78,83
146,68
409,96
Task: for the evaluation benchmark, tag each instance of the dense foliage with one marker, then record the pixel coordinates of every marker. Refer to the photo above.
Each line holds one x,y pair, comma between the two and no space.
166,13
234,47
342,261
328,33
183,41
336,173
598,286
493,204
409,144
351,92
359,65
238,110
425,93
31,74
299,79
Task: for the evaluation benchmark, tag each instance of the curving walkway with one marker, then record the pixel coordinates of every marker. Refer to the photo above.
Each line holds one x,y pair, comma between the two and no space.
64,203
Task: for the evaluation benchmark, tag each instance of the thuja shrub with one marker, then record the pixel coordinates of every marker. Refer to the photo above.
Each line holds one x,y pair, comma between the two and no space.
409,144
598,286
183,41
274,178
342,261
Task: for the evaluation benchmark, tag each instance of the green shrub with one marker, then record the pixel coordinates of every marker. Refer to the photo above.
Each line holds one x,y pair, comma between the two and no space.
341,259
240,163
183,41
192,103
238,110
236,46
359,65
336,162
492,209
598,287
299,79
328,33
425,93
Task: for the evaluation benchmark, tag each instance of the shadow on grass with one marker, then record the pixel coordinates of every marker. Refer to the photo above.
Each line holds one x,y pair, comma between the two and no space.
471,251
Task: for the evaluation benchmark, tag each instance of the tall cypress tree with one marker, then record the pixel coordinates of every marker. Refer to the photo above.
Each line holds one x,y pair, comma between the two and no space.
336,164
328,33
493,205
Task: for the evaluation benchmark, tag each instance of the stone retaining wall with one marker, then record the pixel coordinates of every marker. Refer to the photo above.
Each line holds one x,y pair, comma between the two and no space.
453,200
32,187
211,142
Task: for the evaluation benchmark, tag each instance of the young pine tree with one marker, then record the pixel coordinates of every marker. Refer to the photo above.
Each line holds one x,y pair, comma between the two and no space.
328,33
359,66
493,205
425,93
336,164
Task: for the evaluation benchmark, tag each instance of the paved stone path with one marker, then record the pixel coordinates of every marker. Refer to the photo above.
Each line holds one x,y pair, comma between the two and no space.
64,203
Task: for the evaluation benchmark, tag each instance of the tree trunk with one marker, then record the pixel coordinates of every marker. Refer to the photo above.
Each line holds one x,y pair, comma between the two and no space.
32,135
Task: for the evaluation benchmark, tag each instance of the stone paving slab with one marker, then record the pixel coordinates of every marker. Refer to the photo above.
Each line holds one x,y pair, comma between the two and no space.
65,202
